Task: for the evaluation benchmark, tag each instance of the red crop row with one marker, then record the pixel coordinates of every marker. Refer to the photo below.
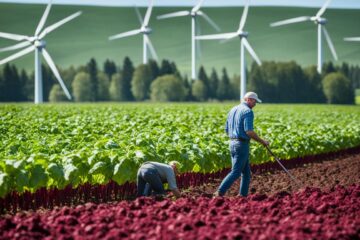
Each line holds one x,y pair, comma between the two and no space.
48,198
308,214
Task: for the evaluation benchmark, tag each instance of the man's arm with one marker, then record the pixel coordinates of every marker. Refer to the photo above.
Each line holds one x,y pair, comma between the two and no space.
254,136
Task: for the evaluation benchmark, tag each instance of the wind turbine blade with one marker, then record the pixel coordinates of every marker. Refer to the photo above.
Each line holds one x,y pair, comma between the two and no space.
14,47
17,55
151,47
323,8
244,15
251,51
51,28
148,13
12,36
331,45
355,39
43,19
291,20
227,39
125,34
197,6
208,19
217,36
52,66
175,14
139,15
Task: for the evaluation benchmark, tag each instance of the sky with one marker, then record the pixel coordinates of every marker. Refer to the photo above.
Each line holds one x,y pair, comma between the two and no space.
209,3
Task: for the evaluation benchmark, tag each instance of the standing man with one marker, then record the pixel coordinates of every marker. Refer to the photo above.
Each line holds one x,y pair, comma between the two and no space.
152,175
240,129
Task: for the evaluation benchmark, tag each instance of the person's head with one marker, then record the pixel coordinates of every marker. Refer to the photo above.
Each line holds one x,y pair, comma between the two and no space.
251,99
175,165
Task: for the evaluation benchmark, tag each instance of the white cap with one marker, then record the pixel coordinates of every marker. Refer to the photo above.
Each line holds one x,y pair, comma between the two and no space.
253,96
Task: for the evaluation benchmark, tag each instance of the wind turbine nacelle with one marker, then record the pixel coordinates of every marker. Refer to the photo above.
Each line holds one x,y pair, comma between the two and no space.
193,14
321,21
146,30
243,34
40,43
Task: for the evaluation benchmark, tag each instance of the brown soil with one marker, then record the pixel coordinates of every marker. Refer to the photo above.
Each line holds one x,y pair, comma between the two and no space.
326,174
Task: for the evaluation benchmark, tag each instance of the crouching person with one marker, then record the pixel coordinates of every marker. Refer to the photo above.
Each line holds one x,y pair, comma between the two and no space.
152,175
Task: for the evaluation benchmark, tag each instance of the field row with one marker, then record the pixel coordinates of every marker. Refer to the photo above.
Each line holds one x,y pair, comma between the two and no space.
54,146
307,214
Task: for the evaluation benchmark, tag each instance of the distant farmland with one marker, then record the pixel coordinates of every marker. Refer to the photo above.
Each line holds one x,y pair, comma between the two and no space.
76,42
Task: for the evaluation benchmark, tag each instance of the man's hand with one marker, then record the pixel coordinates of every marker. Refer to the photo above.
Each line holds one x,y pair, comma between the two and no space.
176,193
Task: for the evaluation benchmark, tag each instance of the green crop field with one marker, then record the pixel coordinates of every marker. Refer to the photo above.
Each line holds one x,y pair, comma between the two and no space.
57,145
76,42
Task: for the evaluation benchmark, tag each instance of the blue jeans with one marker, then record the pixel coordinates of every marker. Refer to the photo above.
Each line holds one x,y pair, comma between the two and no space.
148,181
240,167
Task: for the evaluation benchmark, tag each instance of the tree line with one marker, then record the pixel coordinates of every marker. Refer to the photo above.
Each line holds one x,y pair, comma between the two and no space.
275,82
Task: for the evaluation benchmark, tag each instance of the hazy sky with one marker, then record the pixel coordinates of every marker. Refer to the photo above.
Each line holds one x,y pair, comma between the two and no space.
303,3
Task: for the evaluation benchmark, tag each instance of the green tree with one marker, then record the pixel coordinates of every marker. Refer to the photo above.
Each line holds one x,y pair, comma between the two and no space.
337,89
166,67
82,87
223,91
187,87
103,87
291,84
109,68
235,87
57,94
154,68
24,80
205,79
315,92
116,88
199,90
127,75
68,76
174,69
213,84
12,90
167,88
328,67
92,70
29,87
140,84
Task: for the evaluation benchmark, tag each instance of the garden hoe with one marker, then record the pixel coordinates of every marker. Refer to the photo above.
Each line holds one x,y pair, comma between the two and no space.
298,183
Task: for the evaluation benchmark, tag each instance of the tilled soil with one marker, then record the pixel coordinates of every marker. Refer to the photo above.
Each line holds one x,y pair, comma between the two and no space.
327,207
325,175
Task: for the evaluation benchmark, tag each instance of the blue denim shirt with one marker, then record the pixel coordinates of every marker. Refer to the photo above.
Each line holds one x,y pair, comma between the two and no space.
240,119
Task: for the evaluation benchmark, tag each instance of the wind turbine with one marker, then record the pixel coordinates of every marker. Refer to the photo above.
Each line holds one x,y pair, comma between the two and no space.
317,19
193,13
37,44
145,30
244,44
352,39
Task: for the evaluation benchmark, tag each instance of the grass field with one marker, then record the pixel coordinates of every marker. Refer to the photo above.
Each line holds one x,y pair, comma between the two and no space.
76,42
